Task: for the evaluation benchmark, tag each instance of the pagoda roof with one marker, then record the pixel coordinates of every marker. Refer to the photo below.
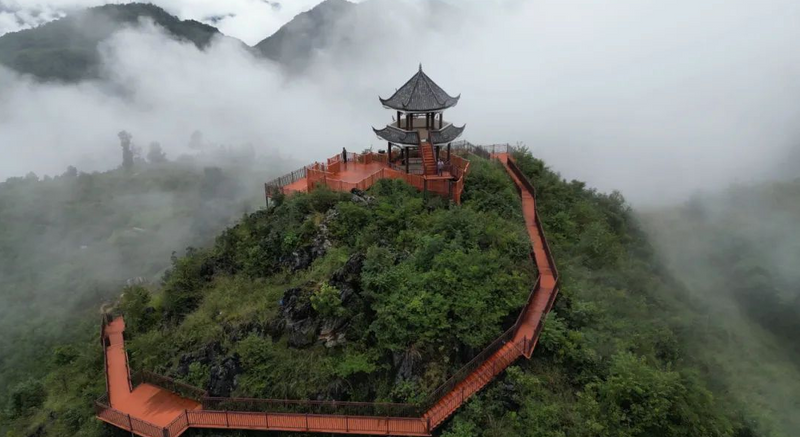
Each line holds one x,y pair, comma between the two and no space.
420,94
398,136
447,134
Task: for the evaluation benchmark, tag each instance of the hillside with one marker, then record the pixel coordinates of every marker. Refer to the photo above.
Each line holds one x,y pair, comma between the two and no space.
294,43
66,49
68,243
382,296
737,252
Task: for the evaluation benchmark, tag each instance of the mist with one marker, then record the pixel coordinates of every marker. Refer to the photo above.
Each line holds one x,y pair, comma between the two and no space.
655,100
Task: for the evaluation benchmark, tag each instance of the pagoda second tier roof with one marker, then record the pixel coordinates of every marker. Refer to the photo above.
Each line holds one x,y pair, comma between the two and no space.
420,94
399,136
447,134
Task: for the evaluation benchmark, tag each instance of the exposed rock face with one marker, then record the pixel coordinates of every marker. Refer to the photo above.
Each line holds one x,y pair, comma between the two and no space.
361,197
206,356
302,258
300,322
408,365
303,325
223,377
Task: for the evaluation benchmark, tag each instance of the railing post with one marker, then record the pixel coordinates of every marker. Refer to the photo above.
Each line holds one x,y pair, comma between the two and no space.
227,423
266,417
130,423
186,416
307,428
347,423
165,432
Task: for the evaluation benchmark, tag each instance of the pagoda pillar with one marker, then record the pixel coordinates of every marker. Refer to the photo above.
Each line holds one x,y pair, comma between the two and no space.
448,153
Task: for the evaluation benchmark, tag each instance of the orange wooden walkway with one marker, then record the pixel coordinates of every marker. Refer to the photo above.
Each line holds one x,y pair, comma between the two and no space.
151,411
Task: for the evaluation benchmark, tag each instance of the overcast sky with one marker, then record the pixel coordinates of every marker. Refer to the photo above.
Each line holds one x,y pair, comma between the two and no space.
655,98
249,20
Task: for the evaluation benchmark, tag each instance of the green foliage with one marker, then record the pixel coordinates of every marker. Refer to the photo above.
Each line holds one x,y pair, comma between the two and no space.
612,360
135,304
395,293
25,397
327,302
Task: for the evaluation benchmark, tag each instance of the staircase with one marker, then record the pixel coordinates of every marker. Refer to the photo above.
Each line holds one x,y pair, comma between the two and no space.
428,158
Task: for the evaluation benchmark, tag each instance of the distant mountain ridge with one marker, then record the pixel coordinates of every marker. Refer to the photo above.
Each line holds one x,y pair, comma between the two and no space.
66,49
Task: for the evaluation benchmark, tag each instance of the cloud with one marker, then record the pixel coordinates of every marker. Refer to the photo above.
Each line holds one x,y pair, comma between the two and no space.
249,20
654,99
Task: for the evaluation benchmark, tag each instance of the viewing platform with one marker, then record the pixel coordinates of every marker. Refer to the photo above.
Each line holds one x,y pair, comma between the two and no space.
361,171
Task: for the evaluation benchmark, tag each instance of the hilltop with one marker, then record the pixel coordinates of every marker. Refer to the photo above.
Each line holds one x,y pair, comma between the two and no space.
381,295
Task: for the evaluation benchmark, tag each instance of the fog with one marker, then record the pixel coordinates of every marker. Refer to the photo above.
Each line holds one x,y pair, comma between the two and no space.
654,99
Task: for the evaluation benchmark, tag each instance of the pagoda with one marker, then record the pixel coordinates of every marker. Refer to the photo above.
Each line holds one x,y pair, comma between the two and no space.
420,131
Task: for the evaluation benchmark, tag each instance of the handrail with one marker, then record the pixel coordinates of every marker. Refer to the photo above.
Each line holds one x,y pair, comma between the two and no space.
105,352
312,407
468,368
183,389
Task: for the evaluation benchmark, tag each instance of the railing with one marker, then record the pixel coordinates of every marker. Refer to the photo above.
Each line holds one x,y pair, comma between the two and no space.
276,184
125,421
103,325
307,422
512,164
468,368
185,390
482,375
312,407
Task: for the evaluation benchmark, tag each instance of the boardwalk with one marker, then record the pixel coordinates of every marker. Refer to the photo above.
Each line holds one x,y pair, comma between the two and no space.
151,411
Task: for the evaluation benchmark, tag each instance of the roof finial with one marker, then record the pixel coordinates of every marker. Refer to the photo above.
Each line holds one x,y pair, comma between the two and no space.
420,66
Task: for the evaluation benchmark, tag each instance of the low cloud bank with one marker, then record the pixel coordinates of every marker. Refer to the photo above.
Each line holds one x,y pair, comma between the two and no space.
656,100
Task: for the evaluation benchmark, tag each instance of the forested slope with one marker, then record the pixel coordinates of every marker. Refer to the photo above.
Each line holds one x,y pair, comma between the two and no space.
70,242
381,296
737,252
68,49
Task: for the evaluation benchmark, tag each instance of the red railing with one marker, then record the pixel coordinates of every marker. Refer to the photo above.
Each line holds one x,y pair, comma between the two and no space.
126,421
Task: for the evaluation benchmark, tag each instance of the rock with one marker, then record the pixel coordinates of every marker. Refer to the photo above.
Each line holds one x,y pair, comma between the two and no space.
222,379
408,366
360,197
205,356
302,258
300,323
348,278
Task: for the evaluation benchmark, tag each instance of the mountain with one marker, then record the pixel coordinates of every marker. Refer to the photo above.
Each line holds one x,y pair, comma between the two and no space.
382,296
344,29
66,49
294,43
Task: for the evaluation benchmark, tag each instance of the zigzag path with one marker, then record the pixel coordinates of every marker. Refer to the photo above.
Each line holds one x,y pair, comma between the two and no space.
151,411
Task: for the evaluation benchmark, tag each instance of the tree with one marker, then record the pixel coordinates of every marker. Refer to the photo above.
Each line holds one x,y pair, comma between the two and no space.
71,172
155,154
127,151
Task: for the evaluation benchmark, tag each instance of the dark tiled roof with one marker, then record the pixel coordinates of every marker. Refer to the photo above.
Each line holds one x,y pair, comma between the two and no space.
420,94
447,134
398,136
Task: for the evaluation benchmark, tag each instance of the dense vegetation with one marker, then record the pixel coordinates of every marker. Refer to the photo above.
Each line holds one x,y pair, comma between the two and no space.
70,242
67,49
738,253
613,359
381,295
